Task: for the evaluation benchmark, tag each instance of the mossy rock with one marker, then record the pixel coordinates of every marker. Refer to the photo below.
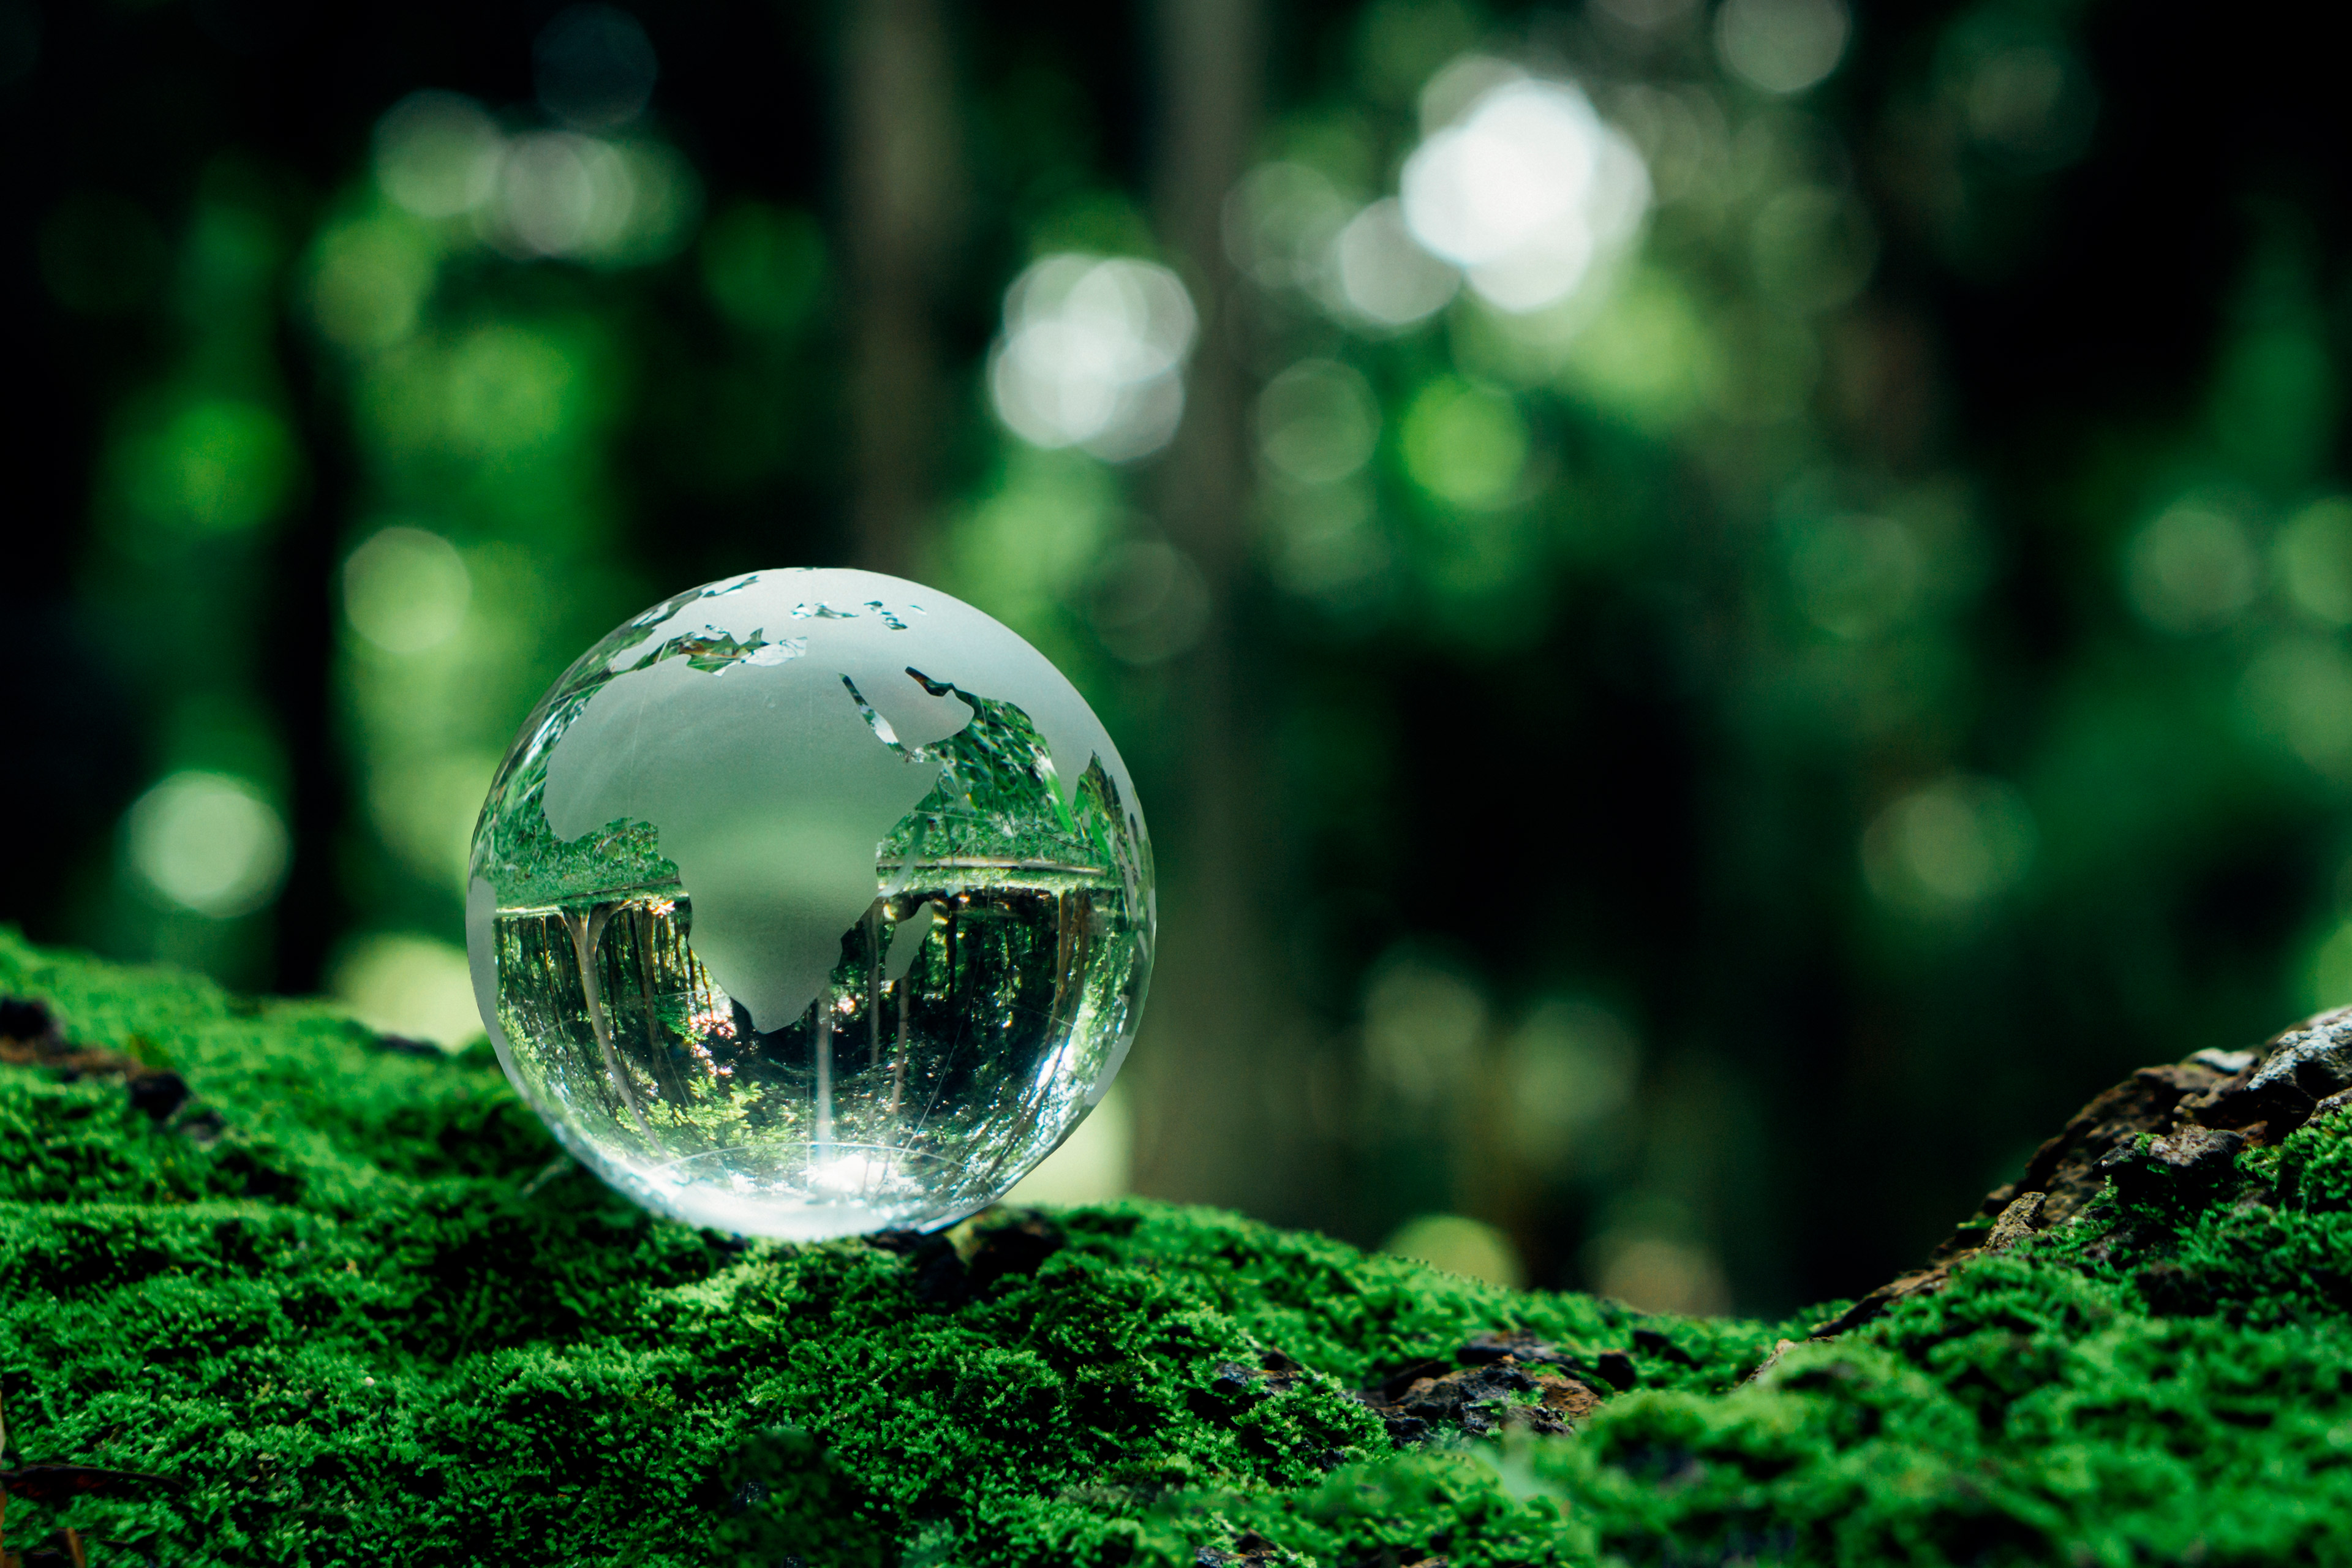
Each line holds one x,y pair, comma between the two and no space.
347,1300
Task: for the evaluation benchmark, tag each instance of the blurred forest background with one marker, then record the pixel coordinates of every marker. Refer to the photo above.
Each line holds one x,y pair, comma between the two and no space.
1722,607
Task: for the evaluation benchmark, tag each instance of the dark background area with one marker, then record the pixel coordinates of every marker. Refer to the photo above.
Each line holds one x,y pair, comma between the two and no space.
1900,685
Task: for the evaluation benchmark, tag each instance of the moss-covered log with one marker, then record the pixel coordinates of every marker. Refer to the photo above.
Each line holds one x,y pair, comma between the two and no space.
274,1290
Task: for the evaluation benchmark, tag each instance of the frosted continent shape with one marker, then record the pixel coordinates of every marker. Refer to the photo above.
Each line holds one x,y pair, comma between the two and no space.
857,622
768,785
769,791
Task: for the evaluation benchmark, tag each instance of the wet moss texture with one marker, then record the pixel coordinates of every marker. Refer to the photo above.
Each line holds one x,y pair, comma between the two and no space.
347,1299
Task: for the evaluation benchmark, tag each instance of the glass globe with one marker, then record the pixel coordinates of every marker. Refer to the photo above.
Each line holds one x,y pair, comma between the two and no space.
811,902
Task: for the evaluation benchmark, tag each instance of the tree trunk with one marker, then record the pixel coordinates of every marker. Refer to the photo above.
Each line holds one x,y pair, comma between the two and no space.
900,144
1217,1022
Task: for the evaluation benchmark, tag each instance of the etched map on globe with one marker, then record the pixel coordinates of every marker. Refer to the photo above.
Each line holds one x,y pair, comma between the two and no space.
811,902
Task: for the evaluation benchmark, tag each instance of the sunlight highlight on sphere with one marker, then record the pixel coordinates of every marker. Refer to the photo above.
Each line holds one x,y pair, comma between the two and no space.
1782,46
208,842
1525,193
436,155
1092,356
406,589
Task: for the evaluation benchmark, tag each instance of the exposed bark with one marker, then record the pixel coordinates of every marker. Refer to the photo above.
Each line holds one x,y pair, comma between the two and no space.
30,1038
2201,1114
1504,1381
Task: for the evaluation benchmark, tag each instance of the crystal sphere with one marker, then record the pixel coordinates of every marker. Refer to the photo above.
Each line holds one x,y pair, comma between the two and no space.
811,902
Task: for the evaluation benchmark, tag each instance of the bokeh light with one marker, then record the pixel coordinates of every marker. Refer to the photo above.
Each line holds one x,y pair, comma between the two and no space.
1092,356
560,195
506,390
1459,1245
2314,559
1382,275
1649,16
422,800
1573,1068
436,155
2297,692
1279,224
2021,93
1464,444
1525,191
762,266
1423,1020
410,985
595,68
1318,421
1857,576
1949,846
1150,603
1813,248
406,589
2328,978
217,465
208,842
547,193
369,281
1328,545
1658,1274
2192,568
1782,46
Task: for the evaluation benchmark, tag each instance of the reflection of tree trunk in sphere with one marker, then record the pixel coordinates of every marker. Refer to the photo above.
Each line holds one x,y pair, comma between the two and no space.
609,1011
585,926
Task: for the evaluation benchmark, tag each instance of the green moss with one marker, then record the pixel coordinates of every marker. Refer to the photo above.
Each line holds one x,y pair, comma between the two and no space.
340,1296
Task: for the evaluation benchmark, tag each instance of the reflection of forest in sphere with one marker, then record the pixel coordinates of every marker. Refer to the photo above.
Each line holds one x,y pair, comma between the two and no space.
812,902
